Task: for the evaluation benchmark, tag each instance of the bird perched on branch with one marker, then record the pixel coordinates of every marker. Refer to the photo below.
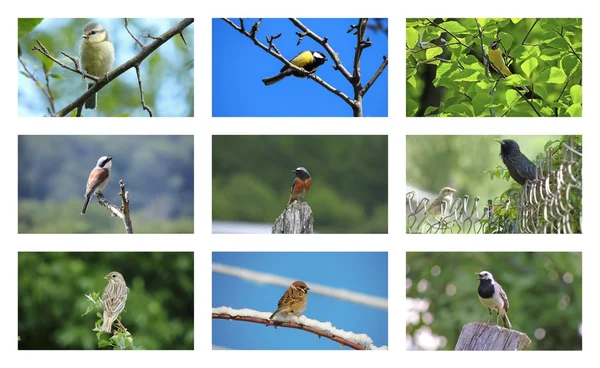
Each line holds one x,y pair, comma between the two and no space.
493,297
307,60
439,206
96,55
114,298
293,300
518,165
98,180
300,185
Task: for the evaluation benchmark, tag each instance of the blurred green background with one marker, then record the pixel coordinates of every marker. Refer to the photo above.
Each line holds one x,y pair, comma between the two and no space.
167,74
349,193
158,171
544,291
459,161
52,286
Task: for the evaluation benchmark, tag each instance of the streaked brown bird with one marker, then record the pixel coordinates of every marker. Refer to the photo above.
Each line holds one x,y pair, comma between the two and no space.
293,300
114,298
441,204
518,165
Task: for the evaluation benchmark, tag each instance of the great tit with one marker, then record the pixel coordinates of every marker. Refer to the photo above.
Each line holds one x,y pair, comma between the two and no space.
308,60
96,55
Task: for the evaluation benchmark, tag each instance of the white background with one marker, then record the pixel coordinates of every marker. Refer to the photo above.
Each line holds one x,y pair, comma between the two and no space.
203,126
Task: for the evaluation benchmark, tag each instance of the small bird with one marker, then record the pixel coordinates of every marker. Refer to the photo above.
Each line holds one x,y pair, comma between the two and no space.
439,206
497,60
97,180
293,300
308,60
96,55
114,298
300,185
518,165
493,297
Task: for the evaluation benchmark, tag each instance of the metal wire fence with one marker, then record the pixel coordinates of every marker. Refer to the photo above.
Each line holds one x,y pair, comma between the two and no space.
549,204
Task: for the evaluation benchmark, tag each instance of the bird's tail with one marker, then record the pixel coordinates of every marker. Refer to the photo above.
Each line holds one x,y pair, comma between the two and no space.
274,314
274,79
106,324
506,321
85,204
91,102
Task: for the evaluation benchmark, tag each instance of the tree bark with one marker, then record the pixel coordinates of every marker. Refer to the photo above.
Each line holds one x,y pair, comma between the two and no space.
484,336
297,218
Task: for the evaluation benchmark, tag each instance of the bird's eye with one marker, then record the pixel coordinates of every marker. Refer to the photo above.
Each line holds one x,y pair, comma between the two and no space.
114,275
93,32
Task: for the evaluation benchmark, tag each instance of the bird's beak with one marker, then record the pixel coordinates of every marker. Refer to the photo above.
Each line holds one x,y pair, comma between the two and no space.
293,171
478,277
500,141
85,36
106,277
109,158
307,288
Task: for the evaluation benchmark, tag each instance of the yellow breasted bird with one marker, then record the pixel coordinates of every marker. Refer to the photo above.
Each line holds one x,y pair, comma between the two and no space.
308,60
497,60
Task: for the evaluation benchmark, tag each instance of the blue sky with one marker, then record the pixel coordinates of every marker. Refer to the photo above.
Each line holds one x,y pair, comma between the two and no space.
239,66
359,272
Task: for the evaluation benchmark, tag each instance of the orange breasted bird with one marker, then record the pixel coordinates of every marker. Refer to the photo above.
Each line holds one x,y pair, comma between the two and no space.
301,184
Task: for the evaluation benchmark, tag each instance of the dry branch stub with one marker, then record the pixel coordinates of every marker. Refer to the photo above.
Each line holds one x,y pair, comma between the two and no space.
297,218
485,336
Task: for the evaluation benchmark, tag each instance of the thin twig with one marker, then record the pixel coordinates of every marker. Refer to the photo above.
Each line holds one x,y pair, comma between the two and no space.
298,326
375,76
44,51
530,29
139,78
47,91
140,43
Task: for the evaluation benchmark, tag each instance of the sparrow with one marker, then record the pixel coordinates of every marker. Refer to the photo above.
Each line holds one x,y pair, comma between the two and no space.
293,300
97,180
518,165
493,297
439,206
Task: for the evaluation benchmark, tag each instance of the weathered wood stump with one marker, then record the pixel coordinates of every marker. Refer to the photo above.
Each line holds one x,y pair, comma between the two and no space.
297,218
485,336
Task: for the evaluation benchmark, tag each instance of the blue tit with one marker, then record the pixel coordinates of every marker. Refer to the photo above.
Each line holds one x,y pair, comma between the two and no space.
308,60
96,55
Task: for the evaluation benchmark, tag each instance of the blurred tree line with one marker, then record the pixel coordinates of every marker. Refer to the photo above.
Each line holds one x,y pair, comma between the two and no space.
349,193
462,162
158,171
52,286
167,74
446,76
544,292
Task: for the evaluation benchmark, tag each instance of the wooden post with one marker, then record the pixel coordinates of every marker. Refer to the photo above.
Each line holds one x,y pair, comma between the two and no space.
297,218
485,336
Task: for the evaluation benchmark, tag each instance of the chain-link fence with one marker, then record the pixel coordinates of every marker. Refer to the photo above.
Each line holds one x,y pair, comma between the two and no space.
549,204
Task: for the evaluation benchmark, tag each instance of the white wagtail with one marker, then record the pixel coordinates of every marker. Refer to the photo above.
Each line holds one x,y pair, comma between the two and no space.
493,297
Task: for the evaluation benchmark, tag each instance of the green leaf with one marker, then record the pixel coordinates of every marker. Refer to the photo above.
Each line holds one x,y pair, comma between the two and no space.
466,75
552,75
412,37
104,343
460,110
411,107
529,65
27,25
453,27
576,94
569,64
432,52
512,97
56,76
574,110
481,102
516,80
25,74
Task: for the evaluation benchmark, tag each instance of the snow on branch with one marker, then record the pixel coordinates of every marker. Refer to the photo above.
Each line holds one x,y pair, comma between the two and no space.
321,329
270,279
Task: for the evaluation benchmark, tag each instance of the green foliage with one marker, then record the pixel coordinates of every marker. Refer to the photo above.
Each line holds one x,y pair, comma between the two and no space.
544,291
544,53
159,310
252,177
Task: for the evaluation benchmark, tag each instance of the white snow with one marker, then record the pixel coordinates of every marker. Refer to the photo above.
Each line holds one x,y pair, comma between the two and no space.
270,279
362,339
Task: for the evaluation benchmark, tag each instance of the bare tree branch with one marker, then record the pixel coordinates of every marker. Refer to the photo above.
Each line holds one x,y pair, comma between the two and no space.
112,75
47,91
123,212
298,326
139,78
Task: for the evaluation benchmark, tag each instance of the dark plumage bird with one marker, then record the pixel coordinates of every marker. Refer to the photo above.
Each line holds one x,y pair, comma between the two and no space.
518,165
